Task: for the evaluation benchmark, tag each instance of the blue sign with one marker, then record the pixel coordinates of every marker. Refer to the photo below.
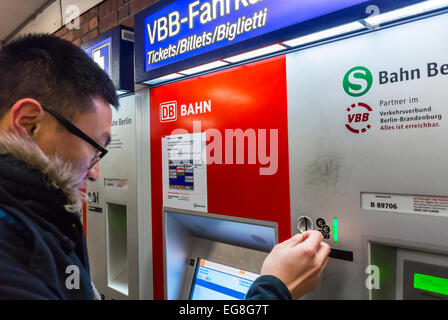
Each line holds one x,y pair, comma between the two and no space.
113,51
101,54
186,28
174,35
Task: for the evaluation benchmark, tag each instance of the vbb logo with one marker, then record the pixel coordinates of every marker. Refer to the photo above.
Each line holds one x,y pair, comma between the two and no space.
168,111
358,121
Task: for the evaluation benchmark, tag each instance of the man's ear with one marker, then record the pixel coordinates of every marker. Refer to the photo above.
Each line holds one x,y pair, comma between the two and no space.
25,116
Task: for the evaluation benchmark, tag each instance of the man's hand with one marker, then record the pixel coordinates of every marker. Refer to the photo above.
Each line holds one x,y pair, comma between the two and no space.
298,262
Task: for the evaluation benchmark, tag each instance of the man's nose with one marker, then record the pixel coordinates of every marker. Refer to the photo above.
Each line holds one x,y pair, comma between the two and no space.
94,173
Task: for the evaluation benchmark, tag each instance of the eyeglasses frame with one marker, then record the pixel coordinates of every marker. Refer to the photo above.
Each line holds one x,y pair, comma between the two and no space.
80,134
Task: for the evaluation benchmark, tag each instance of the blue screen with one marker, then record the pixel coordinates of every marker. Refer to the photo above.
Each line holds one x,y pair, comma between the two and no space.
181,174
214,281
186,28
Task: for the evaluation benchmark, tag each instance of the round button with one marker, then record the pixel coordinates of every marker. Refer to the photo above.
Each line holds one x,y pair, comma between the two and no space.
326,229
320,222
304,223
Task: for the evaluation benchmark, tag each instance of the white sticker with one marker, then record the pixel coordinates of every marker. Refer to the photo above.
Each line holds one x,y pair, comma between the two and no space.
116,183
184,172
415,204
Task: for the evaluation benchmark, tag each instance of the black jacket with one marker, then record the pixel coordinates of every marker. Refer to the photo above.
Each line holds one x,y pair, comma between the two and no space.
268,288
42,246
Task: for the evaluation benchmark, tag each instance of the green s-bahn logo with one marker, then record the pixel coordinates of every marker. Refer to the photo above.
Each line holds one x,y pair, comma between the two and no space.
358,81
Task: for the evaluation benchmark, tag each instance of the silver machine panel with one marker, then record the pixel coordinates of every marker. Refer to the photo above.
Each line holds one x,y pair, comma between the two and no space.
118,209
381,170
236,242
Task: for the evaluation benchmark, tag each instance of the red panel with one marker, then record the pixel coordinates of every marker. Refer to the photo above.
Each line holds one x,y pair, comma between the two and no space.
250,97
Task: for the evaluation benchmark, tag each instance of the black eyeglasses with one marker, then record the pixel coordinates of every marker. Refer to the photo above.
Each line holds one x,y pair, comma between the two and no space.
100,151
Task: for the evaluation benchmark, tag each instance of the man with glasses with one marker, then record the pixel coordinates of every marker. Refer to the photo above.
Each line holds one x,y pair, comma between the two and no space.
55,125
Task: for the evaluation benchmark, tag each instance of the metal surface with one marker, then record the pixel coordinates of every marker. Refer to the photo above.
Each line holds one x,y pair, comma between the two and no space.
145,259
121,164
330,167
239,242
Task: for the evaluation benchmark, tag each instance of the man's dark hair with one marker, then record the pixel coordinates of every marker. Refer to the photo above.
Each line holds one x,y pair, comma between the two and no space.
55,72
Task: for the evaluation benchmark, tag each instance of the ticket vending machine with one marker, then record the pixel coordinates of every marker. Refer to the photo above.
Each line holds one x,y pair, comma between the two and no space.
368,165
118,211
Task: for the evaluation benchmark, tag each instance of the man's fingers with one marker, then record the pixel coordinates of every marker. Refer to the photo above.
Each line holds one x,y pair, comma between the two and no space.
294,240
324,251
298,238
306,234
313,240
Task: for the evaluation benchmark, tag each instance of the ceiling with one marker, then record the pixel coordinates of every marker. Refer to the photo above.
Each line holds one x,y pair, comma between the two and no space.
14,13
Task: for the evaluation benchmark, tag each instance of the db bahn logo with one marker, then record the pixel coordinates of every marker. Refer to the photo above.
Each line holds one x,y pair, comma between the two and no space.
358,117
168,111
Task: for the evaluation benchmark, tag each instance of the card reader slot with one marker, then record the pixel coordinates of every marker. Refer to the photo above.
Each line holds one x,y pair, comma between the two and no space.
341,254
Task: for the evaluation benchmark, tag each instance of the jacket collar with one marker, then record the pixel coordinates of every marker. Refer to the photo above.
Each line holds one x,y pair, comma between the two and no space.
43,189
50,173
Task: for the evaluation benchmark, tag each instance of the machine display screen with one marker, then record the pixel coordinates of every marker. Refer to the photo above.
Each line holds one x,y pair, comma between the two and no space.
181,174
431,283
215,281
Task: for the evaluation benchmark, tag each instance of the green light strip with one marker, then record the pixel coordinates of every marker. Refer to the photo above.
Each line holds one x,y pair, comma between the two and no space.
430,283
335,230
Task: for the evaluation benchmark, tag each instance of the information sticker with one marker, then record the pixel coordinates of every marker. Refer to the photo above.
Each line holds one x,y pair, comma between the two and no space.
414,204
116,183
185,171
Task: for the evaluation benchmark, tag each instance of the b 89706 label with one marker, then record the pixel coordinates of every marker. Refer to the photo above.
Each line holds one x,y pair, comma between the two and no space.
384,205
